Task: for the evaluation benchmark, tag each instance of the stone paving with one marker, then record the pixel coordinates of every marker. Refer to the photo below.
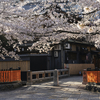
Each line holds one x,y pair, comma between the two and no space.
70,88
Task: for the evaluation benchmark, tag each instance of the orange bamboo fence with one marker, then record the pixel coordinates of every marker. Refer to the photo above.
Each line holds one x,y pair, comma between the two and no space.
91,76
10,76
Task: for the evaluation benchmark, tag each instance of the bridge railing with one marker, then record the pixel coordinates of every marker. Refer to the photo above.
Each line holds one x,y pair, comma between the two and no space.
47,74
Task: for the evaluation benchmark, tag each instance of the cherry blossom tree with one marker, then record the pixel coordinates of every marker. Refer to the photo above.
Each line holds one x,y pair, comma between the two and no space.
48,22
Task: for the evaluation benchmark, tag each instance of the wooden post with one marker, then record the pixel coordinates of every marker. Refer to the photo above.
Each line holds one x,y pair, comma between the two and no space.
30,77
49,74
59,73
37,76
56,77
63,72
68,72
62,57
43,75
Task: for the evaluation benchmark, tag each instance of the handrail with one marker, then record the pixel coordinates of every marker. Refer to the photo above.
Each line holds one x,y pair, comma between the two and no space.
46,74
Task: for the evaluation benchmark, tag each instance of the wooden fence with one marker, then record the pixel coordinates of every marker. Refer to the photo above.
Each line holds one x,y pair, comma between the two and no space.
75,68
10,76
91,76
43,75
24,65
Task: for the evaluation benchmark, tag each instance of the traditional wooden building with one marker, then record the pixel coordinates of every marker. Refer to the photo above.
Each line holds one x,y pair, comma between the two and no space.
73,54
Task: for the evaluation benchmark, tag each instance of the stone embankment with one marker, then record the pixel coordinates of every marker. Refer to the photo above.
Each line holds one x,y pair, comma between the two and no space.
11,86
93,87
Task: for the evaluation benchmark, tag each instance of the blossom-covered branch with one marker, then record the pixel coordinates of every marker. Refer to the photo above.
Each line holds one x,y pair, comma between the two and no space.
49,22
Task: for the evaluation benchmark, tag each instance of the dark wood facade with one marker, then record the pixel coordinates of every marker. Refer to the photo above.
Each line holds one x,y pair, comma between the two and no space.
76,53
